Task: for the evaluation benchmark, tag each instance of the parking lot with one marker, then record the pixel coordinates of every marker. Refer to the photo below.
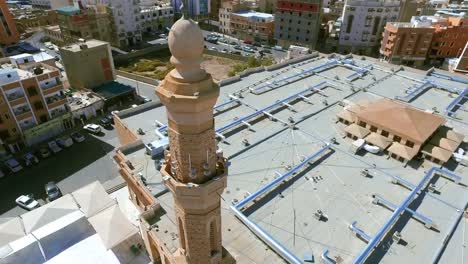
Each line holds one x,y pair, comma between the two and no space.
71,168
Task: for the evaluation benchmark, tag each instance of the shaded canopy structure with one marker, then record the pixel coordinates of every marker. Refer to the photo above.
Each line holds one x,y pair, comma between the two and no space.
112,226
402,151
357,131
92,199
11,230
48,213
378,140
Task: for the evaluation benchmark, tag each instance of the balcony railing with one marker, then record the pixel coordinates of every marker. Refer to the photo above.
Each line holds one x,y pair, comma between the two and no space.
14,96
48,86
52,89
57,113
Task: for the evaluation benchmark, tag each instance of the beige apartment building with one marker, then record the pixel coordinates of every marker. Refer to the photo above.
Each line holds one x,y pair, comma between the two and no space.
88,64
33,105
92,22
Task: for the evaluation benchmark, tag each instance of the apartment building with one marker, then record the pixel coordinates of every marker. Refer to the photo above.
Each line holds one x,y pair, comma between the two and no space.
33,105
363,23
88,64
297,22
88,23
407,43
228,7
126,18
252,26
156,18
433,37
450,37
8,32
54,34
33,18
50,4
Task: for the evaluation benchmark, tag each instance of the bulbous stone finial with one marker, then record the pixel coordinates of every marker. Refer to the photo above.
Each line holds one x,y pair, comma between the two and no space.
186,45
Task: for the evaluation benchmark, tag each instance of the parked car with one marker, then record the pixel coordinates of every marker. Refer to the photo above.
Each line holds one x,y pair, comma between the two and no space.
110,117
30,159
13,165
224,51
144,99
266,47
93,128
105,122
53,191
27,202
163,36
212,48
247,42
248,49
213,40
266,51
77,137
236,52
54,147
65,142
238,47
256,44
279,48
44,153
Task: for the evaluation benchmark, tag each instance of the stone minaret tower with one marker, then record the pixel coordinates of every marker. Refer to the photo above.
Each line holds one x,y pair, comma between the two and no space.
195,172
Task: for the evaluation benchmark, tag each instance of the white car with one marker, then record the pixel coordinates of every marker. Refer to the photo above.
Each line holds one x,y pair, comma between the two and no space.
65,142
13,165
54,147
93,128
27,202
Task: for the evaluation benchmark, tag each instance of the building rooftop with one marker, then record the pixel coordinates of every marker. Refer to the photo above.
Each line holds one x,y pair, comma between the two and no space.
86,226
112,89
92,43
255,15
278,128
68,10
82,99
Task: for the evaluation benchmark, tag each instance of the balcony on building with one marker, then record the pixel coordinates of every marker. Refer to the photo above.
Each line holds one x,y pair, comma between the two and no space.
58,111
56,100
22,112
16,97
27,123
50,89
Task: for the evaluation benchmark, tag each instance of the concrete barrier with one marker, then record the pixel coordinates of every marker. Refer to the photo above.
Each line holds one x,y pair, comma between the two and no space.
123,58
137,77
139,109
225,55
230,80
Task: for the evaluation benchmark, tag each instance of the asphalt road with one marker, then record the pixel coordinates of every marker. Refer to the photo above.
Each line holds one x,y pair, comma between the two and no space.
71,169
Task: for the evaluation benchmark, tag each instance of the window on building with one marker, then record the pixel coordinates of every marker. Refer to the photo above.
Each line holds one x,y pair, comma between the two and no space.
362,123
7,116
384,133
32,91
396,138
350,23
1,120
38,105
409,143
376,25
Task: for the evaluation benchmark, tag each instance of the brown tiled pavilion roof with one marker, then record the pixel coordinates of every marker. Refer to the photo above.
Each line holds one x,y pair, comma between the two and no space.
400,119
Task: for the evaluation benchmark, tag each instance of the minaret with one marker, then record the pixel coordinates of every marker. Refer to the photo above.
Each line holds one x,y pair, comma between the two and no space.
195,172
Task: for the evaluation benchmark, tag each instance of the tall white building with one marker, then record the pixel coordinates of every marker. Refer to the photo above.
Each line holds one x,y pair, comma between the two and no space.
193,8
126,18
363,22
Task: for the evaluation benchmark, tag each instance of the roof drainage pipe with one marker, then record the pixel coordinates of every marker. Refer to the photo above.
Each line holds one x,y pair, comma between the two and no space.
452,229
257,230
393,218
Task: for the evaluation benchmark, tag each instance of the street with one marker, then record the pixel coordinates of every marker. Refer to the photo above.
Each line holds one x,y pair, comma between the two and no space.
71,169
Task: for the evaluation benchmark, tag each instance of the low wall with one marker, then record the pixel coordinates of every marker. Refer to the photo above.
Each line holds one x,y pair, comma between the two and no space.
137,77
139,53
292,61
139,109
229,80
251,70
225,55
